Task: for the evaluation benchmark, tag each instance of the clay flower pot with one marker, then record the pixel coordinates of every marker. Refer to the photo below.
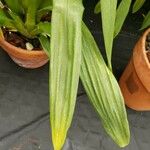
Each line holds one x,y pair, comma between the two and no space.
27,59
135,81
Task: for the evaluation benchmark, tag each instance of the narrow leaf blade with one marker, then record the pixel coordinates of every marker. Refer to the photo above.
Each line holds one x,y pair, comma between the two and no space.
5,20
97,9
108,13
146,21
137,5
45,42
121,15
103,91
65,66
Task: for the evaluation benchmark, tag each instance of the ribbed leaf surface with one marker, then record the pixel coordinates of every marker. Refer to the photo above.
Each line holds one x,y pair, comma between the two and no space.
65,66
103,91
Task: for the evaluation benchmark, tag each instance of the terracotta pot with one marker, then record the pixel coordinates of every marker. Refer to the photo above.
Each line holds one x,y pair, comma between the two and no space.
135,81
27,59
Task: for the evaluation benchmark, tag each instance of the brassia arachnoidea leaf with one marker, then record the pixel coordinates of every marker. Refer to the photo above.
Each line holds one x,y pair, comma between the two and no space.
103,91
65,64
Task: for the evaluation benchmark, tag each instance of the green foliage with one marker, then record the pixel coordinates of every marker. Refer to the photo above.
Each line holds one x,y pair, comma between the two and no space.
108,13
113,18
65,63
97,9
146,22
121,15
103,90
24,16
137,5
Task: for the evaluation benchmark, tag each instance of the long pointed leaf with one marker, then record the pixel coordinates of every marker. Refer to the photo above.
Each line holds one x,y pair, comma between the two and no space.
146,21
97,9
108,12
5,20
103,91
122,12
137,5
45,42
15,6
65,66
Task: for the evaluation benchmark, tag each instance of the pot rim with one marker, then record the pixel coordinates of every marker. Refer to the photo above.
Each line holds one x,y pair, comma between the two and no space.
143,47
20,52
141,62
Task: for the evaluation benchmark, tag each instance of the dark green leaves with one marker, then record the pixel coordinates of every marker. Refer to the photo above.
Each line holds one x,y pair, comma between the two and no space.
146,22
103,91
65,63
5,20
45,42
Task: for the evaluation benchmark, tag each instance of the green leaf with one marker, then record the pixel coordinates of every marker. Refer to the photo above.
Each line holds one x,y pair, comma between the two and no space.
108,13
103,91
97,9
146,22
121,15
31,3
44,28
5,20
137,5
45,42
31,7
19,24
45,3
15,6
65,63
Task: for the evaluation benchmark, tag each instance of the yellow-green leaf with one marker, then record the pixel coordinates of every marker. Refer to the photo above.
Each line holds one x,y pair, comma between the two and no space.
97,9
137,5
121,14
103,91
146,22
65,63
108,13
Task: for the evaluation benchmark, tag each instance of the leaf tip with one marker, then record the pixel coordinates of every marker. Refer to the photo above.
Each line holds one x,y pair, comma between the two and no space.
58,139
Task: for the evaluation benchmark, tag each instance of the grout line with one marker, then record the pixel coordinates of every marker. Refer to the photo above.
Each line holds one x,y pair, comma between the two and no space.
23,127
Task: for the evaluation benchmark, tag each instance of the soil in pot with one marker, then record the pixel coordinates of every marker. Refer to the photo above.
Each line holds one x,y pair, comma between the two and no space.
21,41
147,46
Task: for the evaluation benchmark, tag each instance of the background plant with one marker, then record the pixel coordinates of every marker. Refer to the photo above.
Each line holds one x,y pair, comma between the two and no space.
136,7
25,16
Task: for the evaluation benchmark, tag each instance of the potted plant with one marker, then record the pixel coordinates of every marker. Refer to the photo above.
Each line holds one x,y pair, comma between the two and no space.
74,53
135,81
22,23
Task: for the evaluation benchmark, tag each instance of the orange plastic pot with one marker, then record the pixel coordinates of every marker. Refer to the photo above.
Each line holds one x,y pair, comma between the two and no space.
27,59
135,80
